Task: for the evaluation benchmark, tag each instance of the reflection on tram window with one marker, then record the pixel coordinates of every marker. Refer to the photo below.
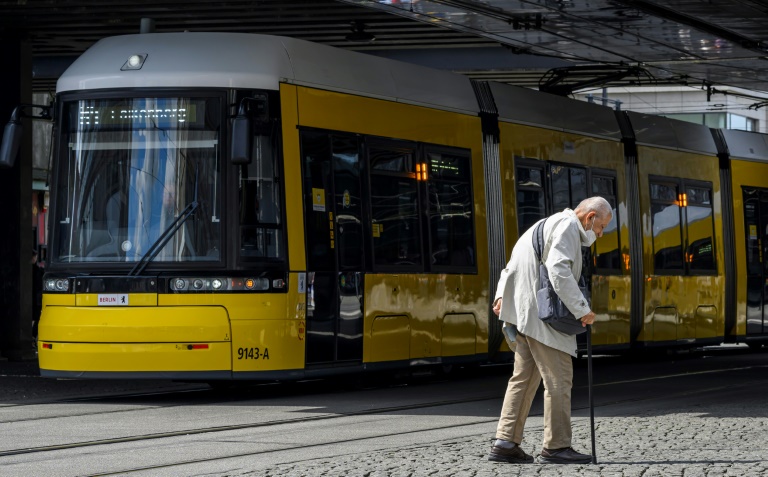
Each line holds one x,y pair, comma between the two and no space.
682,213
569,186
665,218
390,160
128,177
531,205
260,207
450,210
700,228
753,232
395,221
316,155
348,203
607,250
395,224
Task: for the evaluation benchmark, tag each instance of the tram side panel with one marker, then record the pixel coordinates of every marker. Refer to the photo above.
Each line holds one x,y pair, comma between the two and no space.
545,171
682,247
416,308
749,176
268,333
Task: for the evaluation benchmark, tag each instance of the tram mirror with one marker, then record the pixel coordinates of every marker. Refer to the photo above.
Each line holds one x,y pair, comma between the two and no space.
10,145
242,139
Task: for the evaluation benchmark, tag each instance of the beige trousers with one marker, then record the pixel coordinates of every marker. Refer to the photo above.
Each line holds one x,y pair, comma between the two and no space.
535,362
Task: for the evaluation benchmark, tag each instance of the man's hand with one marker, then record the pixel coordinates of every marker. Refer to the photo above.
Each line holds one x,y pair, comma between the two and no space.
497,306
587,319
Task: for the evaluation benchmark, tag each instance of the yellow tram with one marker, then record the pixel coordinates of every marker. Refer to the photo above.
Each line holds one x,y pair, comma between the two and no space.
231,206
315,222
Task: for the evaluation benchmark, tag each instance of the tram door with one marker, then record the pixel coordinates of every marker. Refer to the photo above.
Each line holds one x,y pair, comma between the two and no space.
334,238
756,223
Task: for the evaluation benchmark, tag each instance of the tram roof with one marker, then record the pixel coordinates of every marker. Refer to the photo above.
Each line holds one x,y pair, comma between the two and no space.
526,106
237,60
669,133
746,145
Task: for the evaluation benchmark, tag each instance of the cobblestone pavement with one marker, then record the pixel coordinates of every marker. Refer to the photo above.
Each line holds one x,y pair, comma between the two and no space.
684,442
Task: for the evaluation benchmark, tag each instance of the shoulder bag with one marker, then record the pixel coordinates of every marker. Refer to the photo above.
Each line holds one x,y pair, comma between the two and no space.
552,310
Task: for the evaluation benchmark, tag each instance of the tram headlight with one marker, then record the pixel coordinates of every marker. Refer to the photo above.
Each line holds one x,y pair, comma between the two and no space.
134,62
178,284
56,284
196,284
202,284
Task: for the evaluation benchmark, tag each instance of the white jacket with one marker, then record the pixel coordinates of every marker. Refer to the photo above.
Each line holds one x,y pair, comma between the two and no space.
563,236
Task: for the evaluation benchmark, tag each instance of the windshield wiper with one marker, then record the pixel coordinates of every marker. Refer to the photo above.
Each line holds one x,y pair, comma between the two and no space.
169,232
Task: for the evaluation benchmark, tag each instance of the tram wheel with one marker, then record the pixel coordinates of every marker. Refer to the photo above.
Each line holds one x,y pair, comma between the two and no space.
754,345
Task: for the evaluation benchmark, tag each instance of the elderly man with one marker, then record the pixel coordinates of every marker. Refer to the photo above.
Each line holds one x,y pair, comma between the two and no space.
541,352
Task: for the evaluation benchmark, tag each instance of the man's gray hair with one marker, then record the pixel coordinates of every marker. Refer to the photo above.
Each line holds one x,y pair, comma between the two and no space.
595,204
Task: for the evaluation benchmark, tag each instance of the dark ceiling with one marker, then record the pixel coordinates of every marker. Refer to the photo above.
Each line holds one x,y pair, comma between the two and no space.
723,42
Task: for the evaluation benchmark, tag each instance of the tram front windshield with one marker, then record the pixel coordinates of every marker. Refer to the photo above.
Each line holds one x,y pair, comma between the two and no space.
128,169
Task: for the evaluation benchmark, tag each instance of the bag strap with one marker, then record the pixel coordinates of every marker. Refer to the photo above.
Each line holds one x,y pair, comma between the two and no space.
538,239
538,248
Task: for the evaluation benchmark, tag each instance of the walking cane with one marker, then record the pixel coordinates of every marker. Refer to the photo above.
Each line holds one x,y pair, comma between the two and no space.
589,382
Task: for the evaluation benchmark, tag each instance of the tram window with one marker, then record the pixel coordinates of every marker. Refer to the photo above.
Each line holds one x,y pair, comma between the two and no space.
316,154
132,166
603,186
569,186
348,203
394,206
578,186
561,190
390,160
450,211
260,204
700,254
607,250
531,205
665,218
752,230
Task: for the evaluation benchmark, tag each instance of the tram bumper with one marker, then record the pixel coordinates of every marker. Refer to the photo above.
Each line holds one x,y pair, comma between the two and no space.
178,342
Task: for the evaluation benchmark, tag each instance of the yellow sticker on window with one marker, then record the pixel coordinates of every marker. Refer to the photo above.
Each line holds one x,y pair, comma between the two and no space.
318,200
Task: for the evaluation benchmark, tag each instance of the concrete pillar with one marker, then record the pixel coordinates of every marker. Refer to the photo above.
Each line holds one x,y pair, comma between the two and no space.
16,243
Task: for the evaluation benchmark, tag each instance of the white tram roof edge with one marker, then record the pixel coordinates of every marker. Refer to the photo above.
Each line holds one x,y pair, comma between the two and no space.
252,61
746,145
534,108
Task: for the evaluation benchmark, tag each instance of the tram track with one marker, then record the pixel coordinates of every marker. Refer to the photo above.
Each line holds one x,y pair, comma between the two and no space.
171,465
340,415
234,427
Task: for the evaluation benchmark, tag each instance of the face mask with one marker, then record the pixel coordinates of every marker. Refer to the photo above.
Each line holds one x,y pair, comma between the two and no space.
591,235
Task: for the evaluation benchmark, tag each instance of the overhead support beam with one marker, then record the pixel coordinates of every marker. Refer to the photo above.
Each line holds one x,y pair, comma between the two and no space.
465,59
660,11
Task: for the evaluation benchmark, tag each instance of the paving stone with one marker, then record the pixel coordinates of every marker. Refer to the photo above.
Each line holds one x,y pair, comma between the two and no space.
676,443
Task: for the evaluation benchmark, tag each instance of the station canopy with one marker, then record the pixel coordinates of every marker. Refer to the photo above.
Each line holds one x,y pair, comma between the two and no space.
556,45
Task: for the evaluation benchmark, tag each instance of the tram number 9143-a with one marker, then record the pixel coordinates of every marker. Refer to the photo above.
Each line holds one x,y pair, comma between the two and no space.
252,353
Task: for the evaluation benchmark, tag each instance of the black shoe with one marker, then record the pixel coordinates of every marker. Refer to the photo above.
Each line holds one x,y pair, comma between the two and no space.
563,456
515,455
